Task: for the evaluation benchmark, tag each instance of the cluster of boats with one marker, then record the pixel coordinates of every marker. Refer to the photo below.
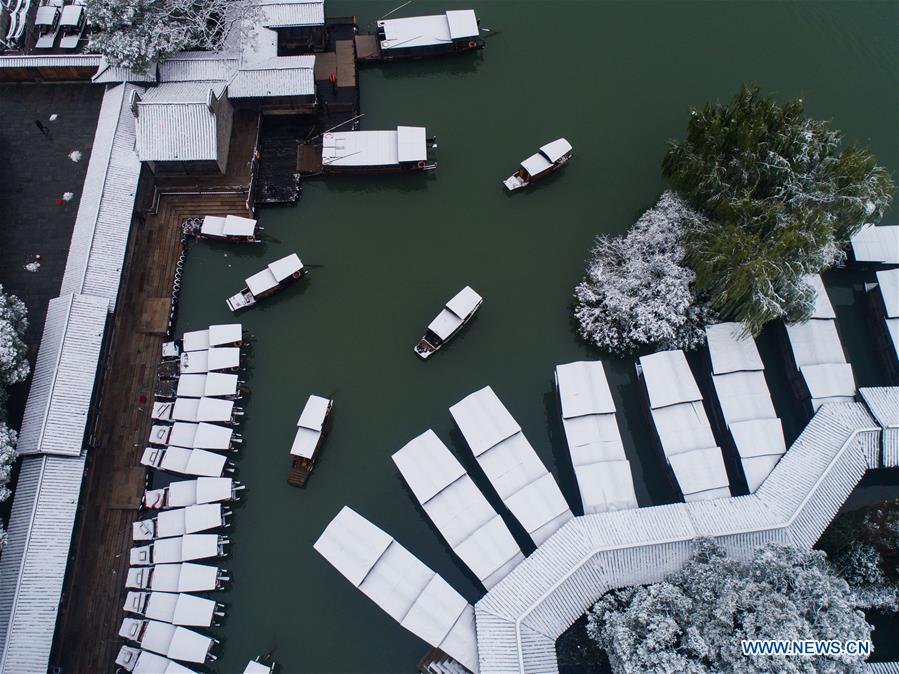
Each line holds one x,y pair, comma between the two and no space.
195,417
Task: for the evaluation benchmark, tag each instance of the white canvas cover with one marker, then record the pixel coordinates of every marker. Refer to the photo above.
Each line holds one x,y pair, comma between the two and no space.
701,474
314,413
536,164
211,436
683,428
195,362
192,385
815,342
189,646
555,150
483,420
223,358
185,409
196,340
823,307
235,225
584,389
373,148
459,511
456,311
743,396
462,23
286,266
213,225
876,243
227,333
214,409
191,611
196,577
606,485
411,144
668,379
221,384
392,577
464,302
202,463
730,350
261,282
214,489
426,31
888,282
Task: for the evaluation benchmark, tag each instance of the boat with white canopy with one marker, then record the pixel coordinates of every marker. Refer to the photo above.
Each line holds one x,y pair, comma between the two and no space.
47,24
256,666
136,661
182,609
311,429
274,277
179,521
194,436
233,228
208,385
402,150
875,245
196,410
450,499
192,492
398,582
744,401
820,371
416,37
601,468
177,643
189,548
457,312
682,427
509,461
213,359
228,334
884,295
196,462
185,577
551,157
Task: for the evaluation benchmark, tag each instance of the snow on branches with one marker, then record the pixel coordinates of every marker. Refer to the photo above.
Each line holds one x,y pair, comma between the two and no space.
14,366
637,292
695,619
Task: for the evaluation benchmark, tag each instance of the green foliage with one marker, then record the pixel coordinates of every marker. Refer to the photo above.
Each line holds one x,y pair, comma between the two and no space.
781,199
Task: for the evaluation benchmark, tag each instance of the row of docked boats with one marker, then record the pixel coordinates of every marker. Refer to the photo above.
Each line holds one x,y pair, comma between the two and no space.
193,434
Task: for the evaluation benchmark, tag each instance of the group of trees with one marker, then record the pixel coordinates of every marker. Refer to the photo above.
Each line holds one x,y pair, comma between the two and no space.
772,196
14,369
694,621
135,33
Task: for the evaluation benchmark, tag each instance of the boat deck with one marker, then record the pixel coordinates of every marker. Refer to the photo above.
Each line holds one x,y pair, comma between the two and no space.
90,611
309,159
299,473
367,48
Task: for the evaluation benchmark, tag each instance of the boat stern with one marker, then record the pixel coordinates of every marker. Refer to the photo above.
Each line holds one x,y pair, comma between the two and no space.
424,349
241,300
514,182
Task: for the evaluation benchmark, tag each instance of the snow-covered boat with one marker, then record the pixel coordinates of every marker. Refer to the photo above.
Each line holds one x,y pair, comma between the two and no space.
208,385
192,492
268,281
47,24
176,578
194,436
177,643
196,462
457,312
72,24
308,440
218,228
196,410
258,666
135,660
175,608
179,521
551,157
189,548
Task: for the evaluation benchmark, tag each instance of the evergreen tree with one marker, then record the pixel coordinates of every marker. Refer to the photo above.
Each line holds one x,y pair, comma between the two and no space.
781,198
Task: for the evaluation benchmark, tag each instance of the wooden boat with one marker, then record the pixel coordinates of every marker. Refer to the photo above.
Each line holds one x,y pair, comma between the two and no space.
418,37
216,228
267,282
258,665
307,442
551,157
457,312
403,150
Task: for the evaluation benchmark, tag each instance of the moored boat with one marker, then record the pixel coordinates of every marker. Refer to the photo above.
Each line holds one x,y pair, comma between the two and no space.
268,281
307,442
551,157
222,228
457,312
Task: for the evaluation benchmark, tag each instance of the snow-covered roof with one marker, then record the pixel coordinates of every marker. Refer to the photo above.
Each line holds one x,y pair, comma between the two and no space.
743,396
287,14
198,66
815,342
46,15
196,340
187,577
829,380
227,333
668,379
212,359
455,312
823,307
556,149
374,148
511,464
51,61
110,74
231,225
274,273
254,667
535,164
888,282
309,427
198,462
177,609
190,520
584,389
207,384
63,383
876,243
460,512
278,76
200,436
883,401
176,121
683,428
174,642
424,31
100,237
33,564
700,474
192,492
731,350
392,577
71,15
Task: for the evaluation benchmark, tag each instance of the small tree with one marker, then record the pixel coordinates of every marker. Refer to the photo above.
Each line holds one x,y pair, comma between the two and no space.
781,197
134,33
695,620
637,292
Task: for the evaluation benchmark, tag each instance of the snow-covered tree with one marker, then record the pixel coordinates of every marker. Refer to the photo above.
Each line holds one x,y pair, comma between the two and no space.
134,33
7,459
860,564
14,366
637,291
781,196
694,621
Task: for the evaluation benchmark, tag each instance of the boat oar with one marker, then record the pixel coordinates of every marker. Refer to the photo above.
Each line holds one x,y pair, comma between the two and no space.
395,9
313,266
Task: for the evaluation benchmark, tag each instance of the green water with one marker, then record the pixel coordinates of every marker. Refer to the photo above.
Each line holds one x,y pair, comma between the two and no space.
616,79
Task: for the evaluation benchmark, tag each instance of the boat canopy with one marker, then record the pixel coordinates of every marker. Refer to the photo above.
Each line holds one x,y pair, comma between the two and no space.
276,272
555,150
255,667
197,462
536,164
888,282
511,464
397,581
195,340
375,148
682,426
174,578
144,662
189,520
231,225
190,492
225,333
876,243
454,314
426,31
177,609
597,453
209,384
199,436
71,16
309,427
731,350
465,519
815,342
46,15
202,409
823,307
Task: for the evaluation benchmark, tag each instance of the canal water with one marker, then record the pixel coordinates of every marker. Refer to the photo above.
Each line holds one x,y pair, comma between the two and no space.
615,78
